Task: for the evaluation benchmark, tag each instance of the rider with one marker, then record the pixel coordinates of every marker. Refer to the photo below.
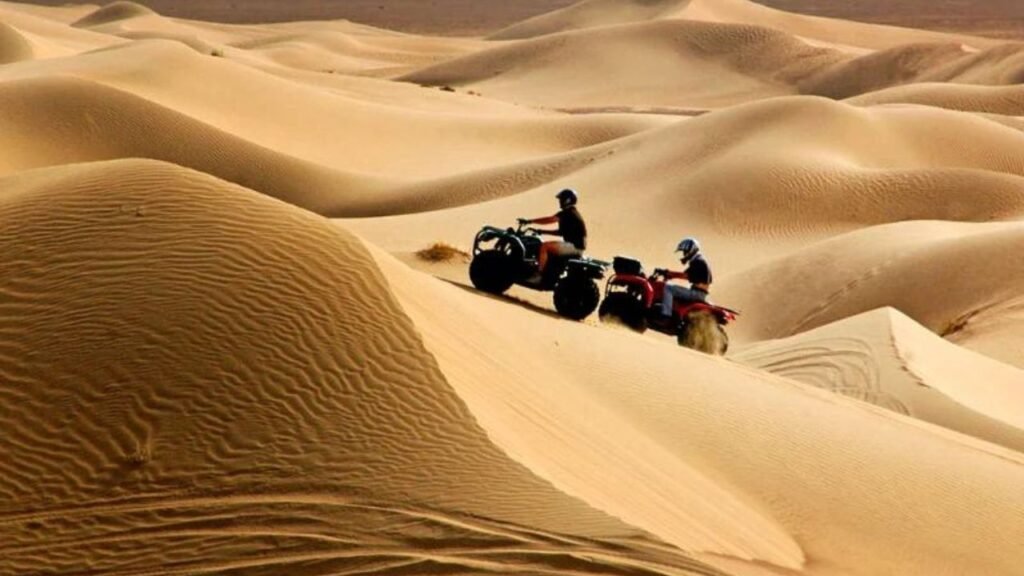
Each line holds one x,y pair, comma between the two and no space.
697,272
570,227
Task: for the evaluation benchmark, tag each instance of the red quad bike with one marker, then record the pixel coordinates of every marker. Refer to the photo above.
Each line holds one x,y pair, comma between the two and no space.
634,299
506,256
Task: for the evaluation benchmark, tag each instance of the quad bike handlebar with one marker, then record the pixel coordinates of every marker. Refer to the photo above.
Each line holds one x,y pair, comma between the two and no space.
522,227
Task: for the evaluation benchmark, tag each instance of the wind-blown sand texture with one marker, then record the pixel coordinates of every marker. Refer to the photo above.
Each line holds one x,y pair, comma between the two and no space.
220,354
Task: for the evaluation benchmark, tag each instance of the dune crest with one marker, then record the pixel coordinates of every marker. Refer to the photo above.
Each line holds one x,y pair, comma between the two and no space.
1003,100
13,45
885,358
113,12
903,265
595,13
698,64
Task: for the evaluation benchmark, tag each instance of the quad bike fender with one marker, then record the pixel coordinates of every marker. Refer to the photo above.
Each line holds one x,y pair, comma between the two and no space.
489,233
723,315
588,268
638,282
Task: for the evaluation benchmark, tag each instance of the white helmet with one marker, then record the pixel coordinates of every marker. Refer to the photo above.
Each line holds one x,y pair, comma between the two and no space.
689,247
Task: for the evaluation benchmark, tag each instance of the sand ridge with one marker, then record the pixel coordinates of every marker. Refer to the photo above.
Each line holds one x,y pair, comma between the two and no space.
13,45
1002,100
700,64
198,268
221,353
673,395
877,357
763,171
594,13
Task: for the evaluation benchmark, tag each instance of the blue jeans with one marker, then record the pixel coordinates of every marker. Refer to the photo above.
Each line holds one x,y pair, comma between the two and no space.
673,292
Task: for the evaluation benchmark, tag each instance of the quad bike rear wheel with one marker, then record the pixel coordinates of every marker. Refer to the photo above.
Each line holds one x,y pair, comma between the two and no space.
576,298
625,308
492,271
701,331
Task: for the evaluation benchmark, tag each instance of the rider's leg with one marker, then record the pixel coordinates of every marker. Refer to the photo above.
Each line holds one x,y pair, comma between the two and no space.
542,256
666,300
673,292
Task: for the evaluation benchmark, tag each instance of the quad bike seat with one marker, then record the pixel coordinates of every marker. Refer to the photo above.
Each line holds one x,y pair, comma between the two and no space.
627,265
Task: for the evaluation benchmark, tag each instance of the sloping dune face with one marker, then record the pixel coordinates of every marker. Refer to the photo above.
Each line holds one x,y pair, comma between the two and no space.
13,46
768,172
147,98
700,64
801,54
200,377
930,271
700,418
594,13
201,373
1001,100
884,358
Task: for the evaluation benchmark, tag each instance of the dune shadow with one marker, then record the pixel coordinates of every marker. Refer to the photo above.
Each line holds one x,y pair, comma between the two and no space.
507,299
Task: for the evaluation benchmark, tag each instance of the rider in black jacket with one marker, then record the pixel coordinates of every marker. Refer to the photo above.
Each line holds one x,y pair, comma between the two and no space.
571,228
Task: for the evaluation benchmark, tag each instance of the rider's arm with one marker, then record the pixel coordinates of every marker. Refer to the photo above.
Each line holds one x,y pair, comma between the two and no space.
673,275
544,220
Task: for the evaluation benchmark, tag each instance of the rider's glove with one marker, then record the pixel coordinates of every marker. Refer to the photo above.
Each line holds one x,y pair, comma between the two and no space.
523,220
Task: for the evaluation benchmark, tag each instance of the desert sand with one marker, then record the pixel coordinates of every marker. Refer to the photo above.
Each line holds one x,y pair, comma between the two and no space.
220,352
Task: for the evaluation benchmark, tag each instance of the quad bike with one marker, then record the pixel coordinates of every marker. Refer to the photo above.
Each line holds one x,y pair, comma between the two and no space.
634,299
506,256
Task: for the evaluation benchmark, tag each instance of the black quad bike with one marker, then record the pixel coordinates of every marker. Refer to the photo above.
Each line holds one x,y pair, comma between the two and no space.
506,256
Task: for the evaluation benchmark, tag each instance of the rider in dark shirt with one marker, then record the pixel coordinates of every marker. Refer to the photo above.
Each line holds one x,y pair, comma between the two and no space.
698,272
571,228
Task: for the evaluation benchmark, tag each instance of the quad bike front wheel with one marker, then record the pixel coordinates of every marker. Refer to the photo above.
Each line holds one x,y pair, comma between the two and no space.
492,271
576,298
701,331
624,308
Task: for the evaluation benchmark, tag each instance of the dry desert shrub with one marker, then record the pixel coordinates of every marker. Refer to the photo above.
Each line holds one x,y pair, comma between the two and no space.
442,252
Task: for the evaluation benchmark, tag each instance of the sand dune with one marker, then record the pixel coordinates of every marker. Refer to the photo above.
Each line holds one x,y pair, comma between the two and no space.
13,45
327,50
724,422
684,63
200,373
49,38
594,13
349,447
885,358
940,274
325,47
1005,100
84,121
903,64
764,175
918,63
329,129
705,64
66,13
1002,64
366,139
112,12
